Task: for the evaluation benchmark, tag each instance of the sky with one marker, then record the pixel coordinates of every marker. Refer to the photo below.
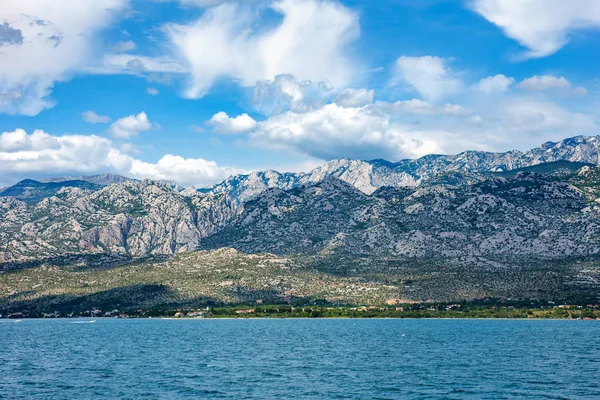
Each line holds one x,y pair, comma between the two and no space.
197,90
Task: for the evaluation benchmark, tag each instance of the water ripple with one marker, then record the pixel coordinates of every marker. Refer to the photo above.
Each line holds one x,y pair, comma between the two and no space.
316,359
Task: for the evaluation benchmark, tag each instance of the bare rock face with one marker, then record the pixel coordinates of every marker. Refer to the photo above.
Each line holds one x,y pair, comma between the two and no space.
518,220
136,218
437,208
368,176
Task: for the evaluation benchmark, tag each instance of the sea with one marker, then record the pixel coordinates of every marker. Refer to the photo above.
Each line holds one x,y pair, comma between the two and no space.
299,359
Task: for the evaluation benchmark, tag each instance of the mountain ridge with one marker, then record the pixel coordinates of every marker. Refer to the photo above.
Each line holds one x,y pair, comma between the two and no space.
530,235
147,217
368,176
49,218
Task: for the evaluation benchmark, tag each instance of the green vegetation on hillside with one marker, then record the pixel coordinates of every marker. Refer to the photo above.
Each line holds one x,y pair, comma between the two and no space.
227,278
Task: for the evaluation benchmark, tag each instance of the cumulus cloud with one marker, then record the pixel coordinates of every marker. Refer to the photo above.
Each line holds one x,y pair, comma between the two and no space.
579,91
287,92
355,97
155,69
135,64
527,115
196,128
93,118
310,42
41,155
420,107
549,82
340,126
545,82
46,45
10,35
206,3
542,26
152,91
429,76
163,79
123,46
18,141
186,171
223,123
494,84
211,3
130,126
402,129
412,128
334,131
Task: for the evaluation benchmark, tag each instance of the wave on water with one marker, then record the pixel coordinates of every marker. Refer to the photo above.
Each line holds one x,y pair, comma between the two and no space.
83,322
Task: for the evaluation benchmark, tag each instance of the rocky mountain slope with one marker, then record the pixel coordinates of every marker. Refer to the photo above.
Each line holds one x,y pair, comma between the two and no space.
31,192
547,216
100,180
368,176
526,215
441,227
136,218
436,206
527,236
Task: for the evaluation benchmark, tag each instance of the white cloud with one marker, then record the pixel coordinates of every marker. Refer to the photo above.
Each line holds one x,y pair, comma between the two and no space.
354,97
41,155
186,171
420,107
579,91
429,76
130,126
206,3
121,47
223,123
286,92
543,26
134,64
55,44
495,84
152,91
19,141
412,128
93,118
549,82
544,82
302,166
334,131
196,128
9,35
211,3
310,42
163,79
527,115
408,128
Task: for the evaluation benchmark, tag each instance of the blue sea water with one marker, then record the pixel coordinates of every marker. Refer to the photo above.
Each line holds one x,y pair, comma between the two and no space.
299,358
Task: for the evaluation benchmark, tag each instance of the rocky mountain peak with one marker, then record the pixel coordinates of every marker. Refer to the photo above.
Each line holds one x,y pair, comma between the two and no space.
368,176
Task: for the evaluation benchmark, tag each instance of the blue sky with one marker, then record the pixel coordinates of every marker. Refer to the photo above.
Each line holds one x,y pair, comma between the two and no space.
196,90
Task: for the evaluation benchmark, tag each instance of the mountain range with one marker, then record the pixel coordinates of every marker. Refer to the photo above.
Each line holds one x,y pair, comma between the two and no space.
476,224
368,176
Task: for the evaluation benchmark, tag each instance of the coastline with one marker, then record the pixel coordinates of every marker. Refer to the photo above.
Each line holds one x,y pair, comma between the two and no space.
484,309
88,319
